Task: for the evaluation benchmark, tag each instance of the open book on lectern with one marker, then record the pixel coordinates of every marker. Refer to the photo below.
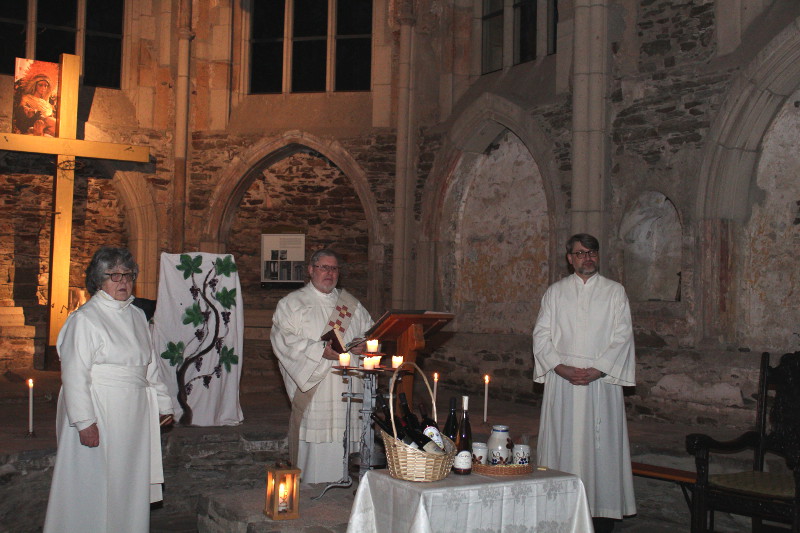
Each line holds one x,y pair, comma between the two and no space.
394,321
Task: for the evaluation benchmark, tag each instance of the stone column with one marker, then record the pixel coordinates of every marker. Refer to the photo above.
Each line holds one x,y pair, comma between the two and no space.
404,172
590,139
182,134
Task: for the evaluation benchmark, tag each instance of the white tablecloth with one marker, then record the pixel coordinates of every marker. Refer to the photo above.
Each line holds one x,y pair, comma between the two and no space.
544,501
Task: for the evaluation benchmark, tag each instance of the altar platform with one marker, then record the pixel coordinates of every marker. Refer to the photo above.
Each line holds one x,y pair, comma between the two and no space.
215,477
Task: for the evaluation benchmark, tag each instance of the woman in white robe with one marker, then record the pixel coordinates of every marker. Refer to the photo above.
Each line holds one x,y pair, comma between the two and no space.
108,466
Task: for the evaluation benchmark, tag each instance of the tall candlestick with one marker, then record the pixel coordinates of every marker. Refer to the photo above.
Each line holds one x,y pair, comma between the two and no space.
30,406
485,396
435,386
372,345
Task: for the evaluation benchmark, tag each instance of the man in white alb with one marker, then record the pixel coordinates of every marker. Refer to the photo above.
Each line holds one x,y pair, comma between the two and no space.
318,415
584,354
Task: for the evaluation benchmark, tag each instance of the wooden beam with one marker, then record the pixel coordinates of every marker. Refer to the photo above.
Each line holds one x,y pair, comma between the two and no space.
64,188
74,147
60,247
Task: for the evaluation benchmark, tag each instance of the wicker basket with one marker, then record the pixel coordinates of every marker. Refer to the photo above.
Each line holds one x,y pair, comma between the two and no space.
502,470
412,464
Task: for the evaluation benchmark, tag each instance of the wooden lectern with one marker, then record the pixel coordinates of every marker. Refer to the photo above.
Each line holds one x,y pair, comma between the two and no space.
409,329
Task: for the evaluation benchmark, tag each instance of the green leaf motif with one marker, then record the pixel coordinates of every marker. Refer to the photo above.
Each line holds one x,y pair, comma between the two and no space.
227,298
174,353
193,315
225,266
228,358
190,266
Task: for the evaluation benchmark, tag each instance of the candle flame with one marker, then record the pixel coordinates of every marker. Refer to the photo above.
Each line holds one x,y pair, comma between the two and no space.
30,383
486,378
435,376
282,490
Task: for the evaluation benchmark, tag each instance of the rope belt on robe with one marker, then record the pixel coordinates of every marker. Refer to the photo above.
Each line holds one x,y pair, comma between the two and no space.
110,375
340,319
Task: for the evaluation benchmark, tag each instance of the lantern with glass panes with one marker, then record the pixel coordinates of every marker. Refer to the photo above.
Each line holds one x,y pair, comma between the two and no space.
283,490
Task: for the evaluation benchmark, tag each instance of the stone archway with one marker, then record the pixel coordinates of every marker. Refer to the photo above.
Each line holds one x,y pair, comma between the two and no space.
473,132
141,218
232,187
727,186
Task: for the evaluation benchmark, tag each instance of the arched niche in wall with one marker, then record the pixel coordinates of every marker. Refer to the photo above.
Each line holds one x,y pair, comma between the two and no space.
308,192
495,239
651,236
768,315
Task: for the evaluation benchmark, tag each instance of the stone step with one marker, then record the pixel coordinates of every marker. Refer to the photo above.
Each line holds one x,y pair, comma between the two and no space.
20,346
11,319
25,332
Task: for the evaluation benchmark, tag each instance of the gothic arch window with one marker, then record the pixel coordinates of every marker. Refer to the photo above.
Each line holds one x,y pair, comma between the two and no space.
91,29
306,46
651,236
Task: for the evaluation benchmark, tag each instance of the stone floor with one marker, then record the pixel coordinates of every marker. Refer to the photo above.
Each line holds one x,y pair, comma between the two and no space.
215,476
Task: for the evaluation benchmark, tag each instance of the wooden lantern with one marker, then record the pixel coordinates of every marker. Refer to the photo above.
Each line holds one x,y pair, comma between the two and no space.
283,491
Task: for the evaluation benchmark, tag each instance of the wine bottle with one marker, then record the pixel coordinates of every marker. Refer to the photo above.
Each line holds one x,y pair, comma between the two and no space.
387,427
462,464
451,424
380,402
423,441
407,414
429,427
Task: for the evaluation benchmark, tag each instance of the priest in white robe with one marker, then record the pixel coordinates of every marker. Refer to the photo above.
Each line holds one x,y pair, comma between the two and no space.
318,410
584,354
108,466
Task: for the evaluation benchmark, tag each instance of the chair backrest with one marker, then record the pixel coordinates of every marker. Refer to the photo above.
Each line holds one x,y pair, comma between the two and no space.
782,435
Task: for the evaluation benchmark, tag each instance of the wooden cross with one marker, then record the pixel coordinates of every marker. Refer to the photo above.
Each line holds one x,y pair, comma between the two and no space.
66,147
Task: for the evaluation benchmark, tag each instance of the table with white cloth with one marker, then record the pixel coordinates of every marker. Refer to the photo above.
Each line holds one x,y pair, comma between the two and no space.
543,501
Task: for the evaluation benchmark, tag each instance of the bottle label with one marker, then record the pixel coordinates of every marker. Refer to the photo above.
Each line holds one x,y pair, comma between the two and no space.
463,460
433,434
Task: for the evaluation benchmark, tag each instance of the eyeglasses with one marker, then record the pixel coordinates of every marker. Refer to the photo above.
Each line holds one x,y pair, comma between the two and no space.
117,276
327,268
580,253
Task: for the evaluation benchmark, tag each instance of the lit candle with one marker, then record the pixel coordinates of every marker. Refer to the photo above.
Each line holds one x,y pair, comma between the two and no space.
435,386
344,359
30,406
376,361
485,396
369,363
283,498
397,360
372,346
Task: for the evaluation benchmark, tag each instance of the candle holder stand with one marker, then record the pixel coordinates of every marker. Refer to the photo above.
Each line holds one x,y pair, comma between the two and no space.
367,441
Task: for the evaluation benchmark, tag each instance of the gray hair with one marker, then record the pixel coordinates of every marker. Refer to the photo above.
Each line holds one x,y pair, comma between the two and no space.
104,259
589,242
324,252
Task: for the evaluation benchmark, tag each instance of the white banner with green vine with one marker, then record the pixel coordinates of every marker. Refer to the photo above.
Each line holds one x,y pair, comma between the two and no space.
198,334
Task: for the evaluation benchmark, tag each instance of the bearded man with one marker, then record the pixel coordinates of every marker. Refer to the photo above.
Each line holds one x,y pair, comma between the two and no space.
584,354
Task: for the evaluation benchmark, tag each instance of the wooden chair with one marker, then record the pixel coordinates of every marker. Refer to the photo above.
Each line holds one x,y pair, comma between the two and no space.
771,496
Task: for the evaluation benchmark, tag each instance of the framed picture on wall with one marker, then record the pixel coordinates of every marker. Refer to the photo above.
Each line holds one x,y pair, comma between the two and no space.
283,258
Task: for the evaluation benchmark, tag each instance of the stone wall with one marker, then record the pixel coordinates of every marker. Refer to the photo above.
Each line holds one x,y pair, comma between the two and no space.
26,221
308,193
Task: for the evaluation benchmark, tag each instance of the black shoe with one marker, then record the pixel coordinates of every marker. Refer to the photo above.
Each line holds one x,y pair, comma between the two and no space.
603,524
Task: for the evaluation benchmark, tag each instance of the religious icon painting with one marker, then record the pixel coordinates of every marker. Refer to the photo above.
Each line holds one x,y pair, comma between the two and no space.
35,98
